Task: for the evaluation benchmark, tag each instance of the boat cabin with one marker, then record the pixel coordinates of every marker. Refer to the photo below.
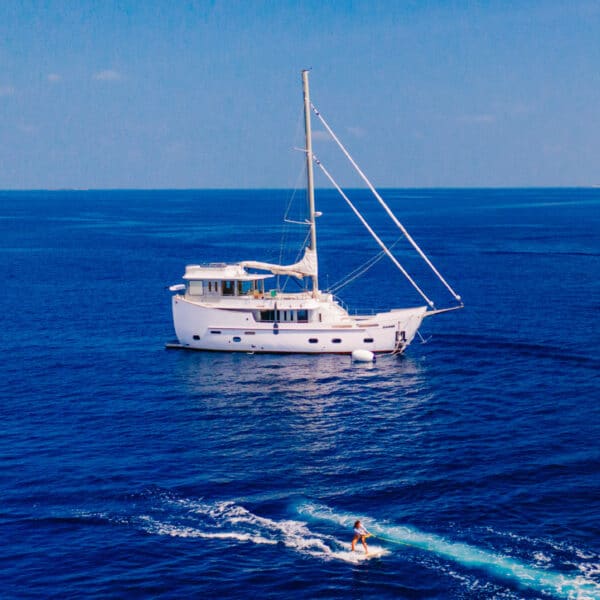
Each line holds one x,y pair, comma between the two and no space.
218,280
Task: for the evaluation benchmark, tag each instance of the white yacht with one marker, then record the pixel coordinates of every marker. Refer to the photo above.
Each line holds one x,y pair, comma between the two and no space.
233,307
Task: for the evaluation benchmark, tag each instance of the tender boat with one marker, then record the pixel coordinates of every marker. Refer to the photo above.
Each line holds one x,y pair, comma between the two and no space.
232,307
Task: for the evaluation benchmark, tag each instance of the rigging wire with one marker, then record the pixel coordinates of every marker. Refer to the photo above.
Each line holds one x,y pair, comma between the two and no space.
373,234
287,221
384,205
299,255
359,271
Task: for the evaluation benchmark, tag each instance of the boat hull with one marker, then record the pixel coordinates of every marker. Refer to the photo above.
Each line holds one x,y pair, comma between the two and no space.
200,327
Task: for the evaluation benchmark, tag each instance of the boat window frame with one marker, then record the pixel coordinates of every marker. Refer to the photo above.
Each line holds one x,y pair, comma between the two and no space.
195,287
228,287
266,316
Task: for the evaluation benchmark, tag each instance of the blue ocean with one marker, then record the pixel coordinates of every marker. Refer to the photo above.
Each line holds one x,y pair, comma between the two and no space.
134,471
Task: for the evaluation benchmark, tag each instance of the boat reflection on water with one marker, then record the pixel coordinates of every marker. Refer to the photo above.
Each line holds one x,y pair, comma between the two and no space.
251,420
301,385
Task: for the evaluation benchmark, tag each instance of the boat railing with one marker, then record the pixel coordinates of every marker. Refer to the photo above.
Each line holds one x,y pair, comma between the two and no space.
366,312
339,301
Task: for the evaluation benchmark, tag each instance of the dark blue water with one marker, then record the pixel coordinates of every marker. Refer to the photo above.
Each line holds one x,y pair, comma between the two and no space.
133,471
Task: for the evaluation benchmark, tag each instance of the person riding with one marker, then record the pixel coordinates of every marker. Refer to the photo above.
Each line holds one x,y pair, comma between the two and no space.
360,533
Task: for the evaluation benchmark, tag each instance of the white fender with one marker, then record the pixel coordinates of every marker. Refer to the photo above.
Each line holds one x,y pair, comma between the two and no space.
363,356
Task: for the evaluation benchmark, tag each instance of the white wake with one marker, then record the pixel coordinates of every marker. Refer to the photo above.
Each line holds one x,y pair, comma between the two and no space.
572,587
232,522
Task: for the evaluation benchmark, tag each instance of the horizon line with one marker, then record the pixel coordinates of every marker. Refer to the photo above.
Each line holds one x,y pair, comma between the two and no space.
248,189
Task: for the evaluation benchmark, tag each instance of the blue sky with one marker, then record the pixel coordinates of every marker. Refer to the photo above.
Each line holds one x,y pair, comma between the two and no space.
199,94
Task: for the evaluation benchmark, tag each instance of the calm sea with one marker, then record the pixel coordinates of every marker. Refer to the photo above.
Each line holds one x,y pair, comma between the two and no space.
133,471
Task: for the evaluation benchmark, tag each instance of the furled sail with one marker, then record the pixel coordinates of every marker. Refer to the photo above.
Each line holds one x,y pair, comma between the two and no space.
306,267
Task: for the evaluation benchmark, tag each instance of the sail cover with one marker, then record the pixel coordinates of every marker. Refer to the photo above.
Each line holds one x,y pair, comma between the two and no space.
307,267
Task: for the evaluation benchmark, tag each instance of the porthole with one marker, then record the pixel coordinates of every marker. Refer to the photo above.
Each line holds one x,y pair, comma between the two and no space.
237,339
368,340
336,341
313,341
196,337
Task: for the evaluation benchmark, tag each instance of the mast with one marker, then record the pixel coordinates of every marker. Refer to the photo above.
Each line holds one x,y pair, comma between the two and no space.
310,184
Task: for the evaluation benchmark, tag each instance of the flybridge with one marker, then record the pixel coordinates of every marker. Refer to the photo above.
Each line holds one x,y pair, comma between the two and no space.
220,271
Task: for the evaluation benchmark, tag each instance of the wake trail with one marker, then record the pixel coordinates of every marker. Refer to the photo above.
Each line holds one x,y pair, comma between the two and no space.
578,587
228,521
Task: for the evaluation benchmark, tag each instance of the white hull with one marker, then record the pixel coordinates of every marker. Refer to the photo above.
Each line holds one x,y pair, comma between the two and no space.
234,328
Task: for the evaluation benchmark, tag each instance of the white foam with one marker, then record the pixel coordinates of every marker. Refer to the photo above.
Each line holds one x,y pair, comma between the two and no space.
160,528
229,521
359,556
504,567
541,558
552,544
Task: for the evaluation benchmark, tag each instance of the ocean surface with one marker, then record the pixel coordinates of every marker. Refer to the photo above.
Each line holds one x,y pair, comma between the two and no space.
132,471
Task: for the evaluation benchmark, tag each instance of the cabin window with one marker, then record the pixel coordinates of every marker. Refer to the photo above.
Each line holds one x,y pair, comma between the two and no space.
196,288
303,316
368,340
237,339
267,315
229,288
336,341
313,341
215,331
196,337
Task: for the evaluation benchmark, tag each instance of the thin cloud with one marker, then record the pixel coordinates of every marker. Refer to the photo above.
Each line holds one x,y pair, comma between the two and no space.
27,128
519,109
478,119
552,149
358,132
321,136
7,90
54,78
176,148
108,75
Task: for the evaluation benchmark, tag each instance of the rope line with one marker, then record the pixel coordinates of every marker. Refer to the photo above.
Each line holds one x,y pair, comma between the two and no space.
394,541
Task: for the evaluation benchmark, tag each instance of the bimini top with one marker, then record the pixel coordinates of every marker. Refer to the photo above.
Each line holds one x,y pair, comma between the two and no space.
221,271
306,266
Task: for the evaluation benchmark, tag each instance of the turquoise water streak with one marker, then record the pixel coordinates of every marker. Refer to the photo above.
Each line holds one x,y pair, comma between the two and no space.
557,584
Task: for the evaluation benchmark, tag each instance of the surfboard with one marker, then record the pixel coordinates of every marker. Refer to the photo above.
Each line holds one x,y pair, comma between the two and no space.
359,554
